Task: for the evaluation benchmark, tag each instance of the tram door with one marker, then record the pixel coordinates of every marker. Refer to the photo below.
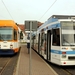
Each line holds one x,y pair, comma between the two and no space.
39,43
48,44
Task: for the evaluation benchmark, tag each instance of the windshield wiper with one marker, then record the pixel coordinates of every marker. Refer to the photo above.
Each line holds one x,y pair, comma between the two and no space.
67,42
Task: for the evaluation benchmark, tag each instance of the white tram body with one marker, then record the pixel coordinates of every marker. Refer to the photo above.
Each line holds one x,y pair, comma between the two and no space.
56,40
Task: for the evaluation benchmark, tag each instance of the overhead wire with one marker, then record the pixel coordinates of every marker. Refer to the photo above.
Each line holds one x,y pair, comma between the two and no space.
39,19
7,10
48,8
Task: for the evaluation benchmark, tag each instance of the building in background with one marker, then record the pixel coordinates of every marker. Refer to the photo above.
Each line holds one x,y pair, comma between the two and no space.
25,33
22,28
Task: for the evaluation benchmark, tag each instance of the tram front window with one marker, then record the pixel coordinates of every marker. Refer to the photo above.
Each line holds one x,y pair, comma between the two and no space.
68,33
68,39
6,33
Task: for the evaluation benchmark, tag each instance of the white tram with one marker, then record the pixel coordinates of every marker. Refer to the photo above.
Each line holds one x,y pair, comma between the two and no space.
56,40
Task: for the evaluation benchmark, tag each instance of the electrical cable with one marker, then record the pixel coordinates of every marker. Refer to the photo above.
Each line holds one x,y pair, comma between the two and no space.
48,8
7,9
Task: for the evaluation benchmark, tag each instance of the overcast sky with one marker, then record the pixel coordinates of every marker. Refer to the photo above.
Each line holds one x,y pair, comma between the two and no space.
40,10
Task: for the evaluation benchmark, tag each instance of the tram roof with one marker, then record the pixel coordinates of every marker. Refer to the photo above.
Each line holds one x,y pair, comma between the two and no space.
55,18
8,23
63,16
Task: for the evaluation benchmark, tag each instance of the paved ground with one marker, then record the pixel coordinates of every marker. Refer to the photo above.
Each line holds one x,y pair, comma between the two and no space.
38,66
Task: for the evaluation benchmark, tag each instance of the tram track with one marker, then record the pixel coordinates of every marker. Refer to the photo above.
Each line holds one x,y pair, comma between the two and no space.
67,72
63,70
4,66
70,70
8,64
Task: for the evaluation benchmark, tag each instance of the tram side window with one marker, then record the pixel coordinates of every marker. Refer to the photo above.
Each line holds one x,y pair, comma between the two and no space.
42,38
56,37
15,35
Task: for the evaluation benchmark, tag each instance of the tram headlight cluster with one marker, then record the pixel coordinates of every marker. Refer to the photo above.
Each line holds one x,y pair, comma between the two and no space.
11,46
63,54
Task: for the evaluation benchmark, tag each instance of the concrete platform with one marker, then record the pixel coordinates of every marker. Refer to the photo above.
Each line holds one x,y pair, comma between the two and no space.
38,65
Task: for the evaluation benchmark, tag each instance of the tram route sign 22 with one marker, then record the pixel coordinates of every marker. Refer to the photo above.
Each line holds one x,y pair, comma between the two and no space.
34,25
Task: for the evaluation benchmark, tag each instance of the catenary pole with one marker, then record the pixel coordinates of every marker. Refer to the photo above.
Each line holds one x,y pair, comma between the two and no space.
30,49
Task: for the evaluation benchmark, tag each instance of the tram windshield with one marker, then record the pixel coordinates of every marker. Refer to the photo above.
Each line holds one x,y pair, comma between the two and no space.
68,33
6,33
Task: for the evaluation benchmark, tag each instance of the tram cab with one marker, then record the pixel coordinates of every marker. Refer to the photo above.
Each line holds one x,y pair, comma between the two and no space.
58,45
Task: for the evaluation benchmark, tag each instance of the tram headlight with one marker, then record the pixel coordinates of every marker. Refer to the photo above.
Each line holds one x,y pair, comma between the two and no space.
63,54
11,46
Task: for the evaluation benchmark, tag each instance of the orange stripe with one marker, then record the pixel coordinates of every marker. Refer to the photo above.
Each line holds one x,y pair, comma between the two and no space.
13,41
1,41
10,41
16,49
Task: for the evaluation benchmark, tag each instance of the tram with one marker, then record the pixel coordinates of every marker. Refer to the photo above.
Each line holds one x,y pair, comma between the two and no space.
9,37
56,40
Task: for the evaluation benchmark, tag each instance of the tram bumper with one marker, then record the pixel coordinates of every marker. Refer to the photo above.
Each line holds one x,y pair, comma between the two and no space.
6,52
68,63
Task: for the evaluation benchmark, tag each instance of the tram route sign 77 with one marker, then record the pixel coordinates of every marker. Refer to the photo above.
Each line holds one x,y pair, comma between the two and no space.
28,23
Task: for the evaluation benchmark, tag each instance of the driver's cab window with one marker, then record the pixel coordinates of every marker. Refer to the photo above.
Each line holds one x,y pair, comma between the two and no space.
15,35
56,37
